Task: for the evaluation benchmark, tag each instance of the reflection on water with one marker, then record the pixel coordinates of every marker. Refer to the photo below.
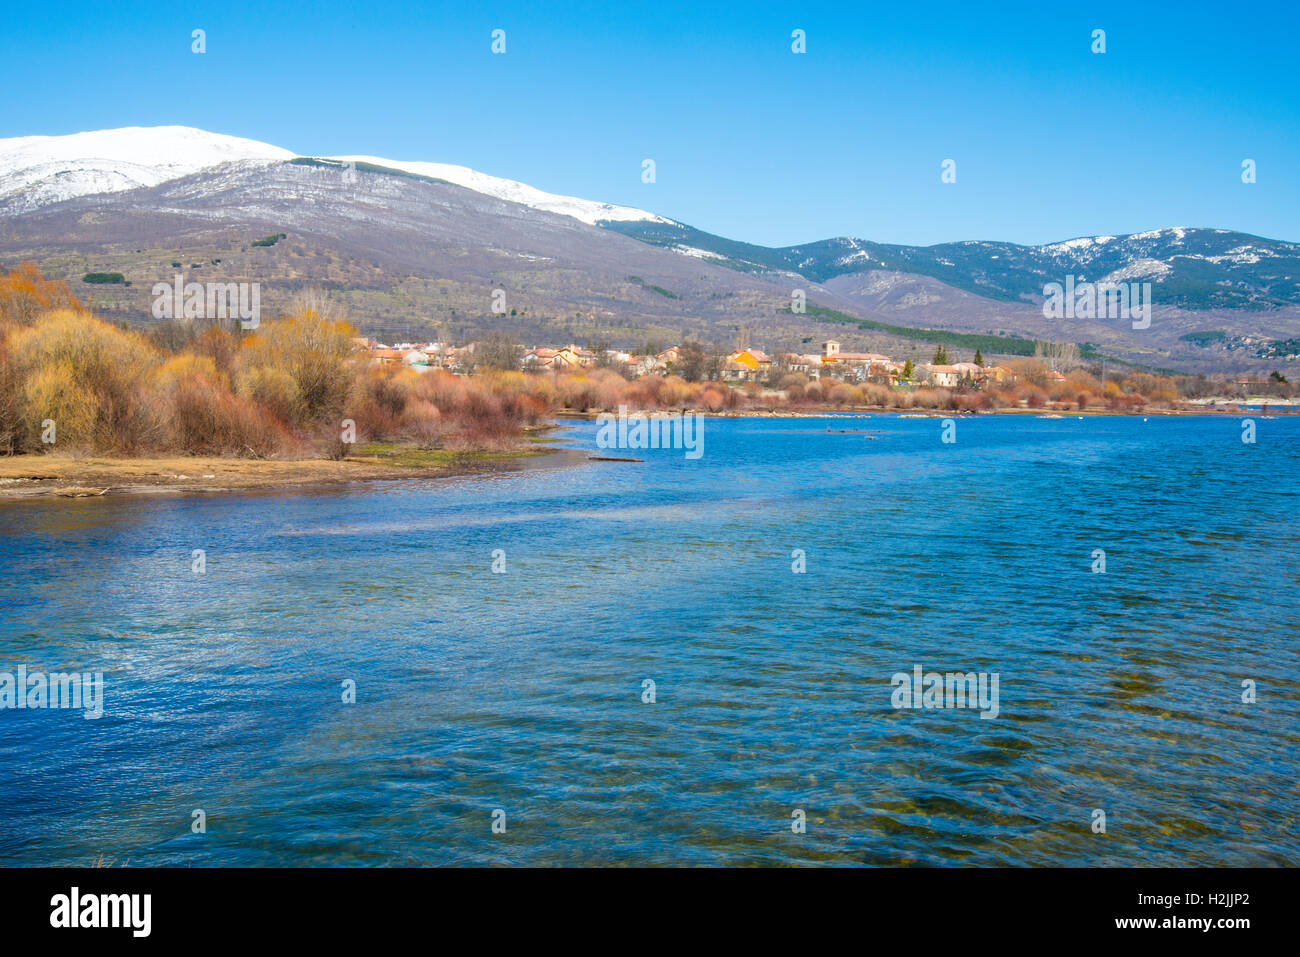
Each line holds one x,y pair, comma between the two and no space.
523,690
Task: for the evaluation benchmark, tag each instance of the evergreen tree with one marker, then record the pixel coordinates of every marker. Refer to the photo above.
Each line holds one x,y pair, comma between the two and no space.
940,356
908,369
979,358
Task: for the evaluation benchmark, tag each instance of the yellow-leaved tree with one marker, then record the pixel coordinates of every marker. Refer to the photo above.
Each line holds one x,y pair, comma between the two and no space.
301,366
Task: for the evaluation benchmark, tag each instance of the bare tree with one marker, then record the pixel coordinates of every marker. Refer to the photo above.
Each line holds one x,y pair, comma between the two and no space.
498,350
1059,356
318,301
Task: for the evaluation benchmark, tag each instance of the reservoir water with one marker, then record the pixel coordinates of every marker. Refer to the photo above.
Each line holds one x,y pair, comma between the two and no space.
769,589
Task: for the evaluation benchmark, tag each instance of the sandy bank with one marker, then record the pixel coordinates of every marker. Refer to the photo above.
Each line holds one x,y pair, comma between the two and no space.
23,476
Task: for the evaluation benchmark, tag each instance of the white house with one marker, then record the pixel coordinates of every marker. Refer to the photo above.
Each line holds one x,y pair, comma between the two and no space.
944,377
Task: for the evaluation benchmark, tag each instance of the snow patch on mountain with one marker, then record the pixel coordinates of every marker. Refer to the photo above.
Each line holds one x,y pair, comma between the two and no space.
1140,269
584,210
1069,245
1178,232
697,253
1240,254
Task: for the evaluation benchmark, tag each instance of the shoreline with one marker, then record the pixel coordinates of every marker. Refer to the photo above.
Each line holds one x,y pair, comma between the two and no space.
859,410
44,476
67,476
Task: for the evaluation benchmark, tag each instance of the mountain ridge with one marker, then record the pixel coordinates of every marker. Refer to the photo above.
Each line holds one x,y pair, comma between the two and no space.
1186,278
407,247
28,179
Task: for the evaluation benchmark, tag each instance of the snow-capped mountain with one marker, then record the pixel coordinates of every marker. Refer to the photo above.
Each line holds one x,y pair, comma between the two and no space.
36,171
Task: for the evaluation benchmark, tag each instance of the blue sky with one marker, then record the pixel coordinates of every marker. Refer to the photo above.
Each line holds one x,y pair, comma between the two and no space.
750,140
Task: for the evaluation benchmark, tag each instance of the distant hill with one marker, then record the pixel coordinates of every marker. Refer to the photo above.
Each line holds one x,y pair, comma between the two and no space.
1189,268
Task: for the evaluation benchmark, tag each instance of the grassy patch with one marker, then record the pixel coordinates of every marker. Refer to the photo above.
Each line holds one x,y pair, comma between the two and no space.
395,453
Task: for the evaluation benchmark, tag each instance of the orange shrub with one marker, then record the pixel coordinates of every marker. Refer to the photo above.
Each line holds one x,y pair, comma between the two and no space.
25,294
422,424
11,403
304,362
91,373
378,400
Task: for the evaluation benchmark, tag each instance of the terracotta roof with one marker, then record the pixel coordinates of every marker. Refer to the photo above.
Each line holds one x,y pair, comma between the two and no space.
861,356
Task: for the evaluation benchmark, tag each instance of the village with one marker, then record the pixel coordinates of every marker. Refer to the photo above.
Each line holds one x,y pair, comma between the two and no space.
691,362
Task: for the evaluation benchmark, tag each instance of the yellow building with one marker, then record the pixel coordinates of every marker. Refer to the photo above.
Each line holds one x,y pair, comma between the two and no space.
753,359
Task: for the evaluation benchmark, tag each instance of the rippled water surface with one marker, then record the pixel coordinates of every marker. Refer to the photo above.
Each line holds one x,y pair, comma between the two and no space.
522,691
